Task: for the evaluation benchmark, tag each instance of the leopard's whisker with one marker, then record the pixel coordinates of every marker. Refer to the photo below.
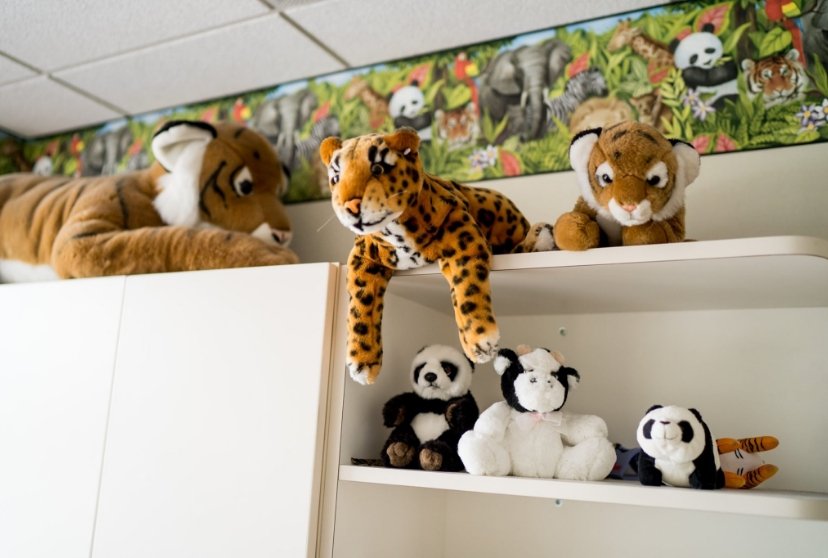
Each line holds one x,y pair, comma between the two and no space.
325,224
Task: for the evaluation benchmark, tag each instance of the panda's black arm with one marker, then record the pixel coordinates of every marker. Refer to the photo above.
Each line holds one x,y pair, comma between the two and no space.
399,409
647,472
694,77
706,476
462,413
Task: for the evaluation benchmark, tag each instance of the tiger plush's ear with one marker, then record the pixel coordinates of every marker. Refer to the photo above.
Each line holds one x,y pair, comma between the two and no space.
581,148
405,141
689,162
178,137
580,151
327,148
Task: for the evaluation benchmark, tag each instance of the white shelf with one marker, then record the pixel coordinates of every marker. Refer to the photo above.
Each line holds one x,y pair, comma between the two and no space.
768,503
772,272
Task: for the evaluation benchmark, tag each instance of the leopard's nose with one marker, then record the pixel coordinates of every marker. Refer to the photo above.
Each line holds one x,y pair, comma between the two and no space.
352,206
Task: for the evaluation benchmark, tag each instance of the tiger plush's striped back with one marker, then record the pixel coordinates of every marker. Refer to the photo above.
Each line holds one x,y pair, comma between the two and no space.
209,202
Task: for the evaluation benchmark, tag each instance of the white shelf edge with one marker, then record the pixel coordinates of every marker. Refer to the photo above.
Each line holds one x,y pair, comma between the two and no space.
769,503
684,251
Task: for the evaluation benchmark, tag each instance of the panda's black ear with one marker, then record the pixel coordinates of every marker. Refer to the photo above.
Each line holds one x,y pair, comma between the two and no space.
653,408
504,359
708,28
696,414
673,45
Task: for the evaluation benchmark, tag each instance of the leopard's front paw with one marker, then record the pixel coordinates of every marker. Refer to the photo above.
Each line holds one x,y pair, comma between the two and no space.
364,373
483,347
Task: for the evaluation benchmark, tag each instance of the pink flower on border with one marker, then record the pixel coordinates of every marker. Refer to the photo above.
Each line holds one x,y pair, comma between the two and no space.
578,65
510,163
725,143
701,143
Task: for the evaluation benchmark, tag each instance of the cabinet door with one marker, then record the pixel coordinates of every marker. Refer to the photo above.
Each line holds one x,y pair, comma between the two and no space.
217,418
57,352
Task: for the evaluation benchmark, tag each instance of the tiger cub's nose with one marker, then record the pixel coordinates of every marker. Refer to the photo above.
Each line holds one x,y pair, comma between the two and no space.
352,206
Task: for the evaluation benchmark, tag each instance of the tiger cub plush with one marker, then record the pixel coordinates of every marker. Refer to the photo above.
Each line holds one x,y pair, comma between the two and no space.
210,201
632,182
405,218
778,79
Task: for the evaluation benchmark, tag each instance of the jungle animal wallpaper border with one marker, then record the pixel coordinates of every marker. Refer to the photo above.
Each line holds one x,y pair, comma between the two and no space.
725,76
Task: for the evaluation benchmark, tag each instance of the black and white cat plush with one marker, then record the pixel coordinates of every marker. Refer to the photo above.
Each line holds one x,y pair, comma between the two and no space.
677,449
429,421
528,435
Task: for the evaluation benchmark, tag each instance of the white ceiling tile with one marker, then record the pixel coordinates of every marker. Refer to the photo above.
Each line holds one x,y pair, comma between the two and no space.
53,34
238,58
370,31
12,71
39,106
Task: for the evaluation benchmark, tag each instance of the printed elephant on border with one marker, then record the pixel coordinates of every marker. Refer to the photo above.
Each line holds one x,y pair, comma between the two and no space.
281,119
516,84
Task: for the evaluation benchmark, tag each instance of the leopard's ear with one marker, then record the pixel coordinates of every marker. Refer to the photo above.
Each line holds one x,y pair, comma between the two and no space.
405,141
175,138
327,148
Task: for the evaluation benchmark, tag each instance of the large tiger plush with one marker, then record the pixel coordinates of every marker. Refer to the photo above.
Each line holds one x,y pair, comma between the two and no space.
405,218
778,79
210,201
632,181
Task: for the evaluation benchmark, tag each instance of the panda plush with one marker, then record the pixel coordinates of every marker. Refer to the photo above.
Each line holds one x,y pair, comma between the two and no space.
527,434
677,449
407,108
428,422
697,56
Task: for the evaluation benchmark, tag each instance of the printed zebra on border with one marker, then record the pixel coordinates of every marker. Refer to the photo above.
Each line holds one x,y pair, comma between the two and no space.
579,88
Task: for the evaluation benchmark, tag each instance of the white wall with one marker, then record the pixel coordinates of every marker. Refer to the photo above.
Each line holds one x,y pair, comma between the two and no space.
767,192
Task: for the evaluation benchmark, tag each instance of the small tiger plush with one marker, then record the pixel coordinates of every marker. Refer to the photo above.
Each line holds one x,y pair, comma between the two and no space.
778,79
210,201
632,182
405,218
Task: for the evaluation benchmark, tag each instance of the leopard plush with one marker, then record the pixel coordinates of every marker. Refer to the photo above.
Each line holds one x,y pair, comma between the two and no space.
405,218
632,181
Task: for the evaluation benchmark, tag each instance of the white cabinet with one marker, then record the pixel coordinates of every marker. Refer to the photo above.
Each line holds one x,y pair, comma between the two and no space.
735,328
167,415
217,421
209,413
57,351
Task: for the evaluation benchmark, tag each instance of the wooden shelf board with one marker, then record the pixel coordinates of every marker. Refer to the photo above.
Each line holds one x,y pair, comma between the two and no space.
769,503
771,272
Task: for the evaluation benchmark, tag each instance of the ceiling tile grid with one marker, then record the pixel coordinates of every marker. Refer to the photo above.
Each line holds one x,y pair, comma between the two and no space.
39,106
53,34
76,64
11,71
233,59
370,31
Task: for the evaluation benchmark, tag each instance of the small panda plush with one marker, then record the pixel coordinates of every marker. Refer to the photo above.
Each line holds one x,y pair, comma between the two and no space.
697,56
429,421
677,450
407,108
528,435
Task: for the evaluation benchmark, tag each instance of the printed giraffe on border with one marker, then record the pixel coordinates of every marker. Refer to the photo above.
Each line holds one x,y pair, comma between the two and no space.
658,56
